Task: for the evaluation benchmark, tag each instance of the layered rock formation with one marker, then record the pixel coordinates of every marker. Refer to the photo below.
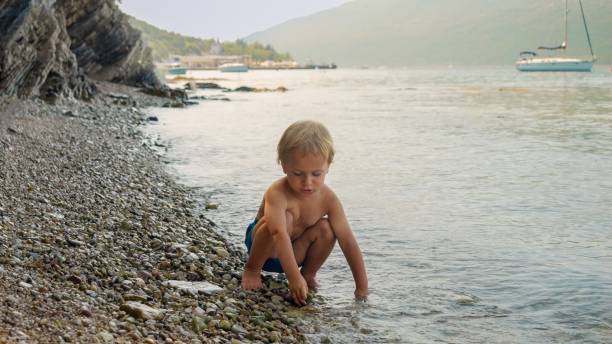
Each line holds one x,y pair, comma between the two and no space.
55,48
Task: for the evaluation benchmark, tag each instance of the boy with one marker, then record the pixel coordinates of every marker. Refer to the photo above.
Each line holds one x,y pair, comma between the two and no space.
300,218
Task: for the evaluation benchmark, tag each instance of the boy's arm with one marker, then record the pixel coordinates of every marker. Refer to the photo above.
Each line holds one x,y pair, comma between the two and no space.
349,246
274,212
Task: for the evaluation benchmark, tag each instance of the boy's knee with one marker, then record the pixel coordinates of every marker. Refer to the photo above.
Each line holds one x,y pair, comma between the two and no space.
262,229
325,230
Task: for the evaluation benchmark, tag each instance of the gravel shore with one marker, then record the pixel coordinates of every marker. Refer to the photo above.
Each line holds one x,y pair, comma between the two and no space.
98,244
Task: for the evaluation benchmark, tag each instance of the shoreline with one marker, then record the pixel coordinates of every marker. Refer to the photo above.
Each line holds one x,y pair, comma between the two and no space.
93,229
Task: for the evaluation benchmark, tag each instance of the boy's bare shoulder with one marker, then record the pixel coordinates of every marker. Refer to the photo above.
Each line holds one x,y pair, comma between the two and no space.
276,190
329,196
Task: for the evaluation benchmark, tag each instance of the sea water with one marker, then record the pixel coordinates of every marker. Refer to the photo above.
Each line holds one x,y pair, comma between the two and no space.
481,198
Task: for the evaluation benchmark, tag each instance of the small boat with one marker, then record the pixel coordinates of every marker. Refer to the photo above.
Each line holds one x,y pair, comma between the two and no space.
529,61
233,68
177,71
175,68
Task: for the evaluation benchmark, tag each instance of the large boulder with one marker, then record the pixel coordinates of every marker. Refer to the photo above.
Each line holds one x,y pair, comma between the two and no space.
54,48
105,45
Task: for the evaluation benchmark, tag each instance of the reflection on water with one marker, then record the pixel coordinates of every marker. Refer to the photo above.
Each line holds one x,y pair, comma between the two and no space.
482,199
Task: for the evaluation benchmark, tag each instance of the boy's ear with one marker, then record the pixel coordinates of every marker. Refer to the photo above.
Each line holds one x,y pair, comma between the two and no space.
284,167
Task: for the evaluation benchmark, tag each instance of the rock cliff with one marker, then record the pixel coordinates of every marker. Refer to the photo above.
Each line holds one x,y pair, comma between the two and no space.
54,48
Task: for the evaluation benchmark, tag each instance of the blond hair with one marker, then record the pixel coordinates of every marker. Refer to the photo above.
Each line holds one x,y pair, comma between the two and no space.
307,137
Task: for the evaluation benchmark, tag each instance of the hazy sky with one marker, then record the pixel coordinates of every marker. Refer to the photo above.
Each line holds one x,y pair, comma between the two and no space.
223,19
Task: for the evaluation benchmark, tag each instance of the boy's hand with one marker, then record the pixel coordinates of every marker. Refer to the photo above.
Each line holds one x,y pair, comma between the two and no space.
299,291
361,295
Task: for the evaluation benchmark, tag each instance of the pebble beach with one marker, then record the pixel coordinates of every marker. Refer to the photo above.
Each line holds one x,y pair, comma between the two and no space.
99,244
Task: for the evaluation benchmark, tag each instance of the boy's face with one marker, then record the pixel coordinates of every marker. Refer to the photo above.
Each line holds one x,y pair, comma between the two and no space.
305,172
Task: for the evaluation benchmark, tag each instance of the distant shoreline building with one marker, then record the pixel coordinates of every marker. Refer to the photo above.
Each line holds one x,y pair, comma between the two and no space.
207,61
212,62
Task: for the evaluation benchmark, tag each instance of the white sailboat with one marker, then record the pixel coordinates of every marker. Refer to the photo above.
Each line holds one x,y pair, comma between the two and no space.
530,62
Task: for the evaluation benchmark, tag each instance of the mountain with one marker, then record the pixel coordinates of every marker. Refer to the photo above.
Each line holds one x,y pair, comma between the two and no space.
439,32
164,44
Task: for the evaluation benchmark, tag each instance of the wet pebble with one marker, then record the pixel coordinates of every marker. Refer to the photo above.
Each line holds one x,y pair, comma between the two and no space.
221,252
25,285
274,336
225,325
105,337
141,311
199,324
277,299
85,312
325,340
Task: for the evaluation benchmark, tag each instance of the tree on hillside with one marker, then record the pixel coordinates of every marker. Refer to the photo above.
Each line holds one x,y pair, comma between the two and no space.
165,44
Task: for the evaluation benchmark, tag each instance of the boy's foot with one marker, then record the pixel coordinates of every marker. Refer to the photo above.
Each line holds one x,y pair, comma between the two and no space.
251,280
312,282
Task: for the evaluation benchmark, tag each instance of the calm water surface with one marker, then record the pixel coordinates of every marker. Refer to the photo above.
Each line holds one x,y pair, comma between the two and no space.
481,198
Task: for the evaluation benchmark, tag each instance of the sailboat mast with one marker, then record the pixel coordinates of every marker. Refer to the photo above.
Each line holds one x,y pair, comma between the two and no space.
587,31
564,45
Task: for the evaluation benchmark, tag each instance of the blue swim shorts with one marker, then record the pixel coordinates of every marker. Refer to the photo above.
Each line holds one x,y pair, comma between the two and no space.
272,264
